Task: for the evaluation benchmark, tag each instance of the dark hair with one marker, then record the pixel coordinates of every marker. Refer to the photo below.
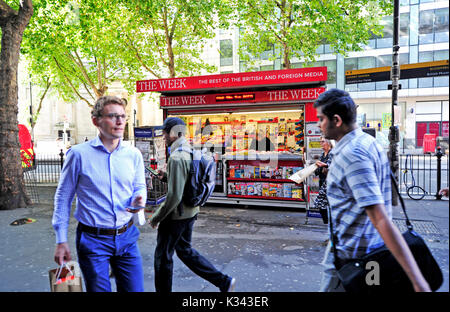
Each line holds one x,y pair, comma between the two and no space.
337,102
176,124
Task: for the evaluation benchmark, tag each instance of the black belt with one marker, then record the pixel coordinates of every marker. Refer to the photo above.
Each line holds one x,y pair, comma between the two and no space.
101,231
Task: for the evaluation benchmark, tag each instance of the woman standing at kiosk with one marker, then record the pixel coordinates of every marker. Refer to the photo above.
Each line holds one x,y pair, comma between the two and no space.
321,201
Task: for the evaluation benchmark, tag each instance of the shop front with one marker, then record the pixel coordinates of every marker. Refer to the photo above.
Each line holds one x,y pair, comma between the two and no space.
255,124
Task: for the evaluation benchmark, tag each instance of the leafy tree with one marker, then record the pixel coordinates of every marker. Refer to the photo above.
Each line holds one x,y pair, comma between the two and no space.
74,46
14,18
169,36
44,87
80,47
296,28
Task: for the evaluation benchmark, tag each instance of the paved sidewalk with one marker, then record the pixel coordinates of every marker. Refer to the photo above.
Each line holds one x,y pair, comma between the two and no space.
266,250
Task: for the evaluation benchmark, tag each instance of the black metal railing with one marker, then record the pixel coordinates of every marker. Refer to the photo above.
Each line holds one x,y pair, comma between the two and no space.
31,186
422,176
46,168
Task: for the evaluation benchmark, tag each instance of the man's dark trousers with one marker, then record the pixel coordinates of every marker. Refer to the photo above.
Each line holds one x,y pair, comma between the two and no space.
176,235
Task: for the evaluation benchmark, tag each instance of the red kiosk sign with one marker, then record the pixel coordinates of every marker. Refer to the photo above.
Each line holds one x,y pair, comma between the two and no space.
289,86
282,77
273,96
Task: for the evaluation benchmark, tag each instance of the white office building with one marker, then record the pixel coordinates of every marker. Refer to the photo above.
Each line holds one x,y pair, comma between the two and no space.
423,102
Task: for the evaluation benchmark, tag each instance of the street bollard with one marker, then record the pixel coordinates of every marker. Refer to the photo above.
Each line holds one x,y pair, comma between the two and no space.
61,155
439,155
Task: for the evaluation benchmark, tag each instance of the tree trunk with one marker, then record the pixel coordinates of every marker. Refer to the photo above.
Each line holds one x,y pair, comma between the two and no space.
172,73
38,110
12,23
286,60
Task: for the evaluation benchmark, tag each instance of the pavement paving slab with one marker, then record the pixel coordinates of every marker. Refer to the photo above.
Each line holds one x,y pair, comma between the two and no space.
266,250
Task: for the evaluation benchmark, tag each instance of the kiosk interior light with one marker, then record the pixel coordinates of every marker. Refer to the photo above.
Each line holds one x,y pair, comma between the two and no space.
268,112
245,113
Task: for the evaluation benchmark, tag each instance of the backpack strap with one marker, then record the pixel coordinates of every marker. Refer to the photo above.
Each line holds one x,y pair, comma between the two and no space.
187,150
182,147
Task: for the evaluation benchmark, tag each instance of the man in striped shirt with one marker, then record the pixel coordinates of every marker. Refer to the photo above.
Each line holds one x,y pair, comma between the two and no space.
359,192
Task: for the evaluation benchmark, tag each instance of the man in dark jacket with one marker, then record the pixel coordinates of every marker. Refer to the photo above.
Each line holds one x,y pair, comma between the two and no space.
176,225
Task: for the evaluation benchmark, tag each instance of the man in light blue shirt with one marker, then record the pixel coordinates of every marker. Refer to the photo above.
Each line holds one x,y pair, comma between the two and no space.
108,179
359,192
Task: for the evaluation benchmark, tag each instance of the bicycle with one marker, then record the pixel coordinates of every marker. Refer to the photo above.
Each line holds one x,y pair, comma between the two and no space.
420,193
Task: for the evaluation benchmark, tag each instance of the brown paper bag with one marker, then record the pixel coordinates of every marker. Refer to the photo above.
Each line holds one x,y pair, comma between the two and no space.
66,278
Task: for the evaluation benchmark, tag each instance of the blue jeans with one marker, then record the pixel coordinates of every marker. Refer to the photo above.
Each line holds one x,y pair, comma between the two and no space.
176,235
96,253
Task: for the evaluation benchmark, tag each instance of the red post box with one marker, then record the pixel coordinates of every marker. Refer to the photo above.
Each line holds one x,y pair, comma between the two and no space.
429,143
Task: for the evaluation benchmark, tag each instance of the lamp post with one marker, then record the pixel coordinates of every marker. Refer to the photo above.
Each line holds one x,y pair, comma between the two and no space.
394,136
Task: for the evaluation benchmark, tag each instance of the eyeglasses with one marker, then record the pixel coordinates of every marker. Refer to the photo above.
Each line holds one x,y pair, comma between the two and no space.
114,117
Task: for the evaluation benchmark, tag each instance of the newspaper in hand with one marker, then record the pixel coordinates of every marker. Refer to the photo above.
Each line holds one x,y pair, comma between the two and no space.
301,175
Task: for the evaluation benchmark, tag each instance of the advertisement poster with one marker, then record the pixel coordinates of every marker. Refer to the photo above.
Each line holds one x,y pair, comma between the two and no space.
386,121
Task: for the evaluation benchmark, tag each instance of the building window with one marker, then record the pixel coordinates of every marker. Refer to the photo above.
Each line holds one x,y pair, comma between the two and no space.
433,26
441,25
426,26
404,29
387,22
426,56
320,49
61,132
331,73
430,56
366,62
385,40
266,67
440,55
384,60
351,63
226,52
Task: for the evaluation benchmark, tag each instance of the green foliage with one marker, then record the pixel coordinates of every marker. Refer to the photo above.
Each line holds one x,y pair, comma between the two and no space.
74,44
169,35
14,4
82,46
298,27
